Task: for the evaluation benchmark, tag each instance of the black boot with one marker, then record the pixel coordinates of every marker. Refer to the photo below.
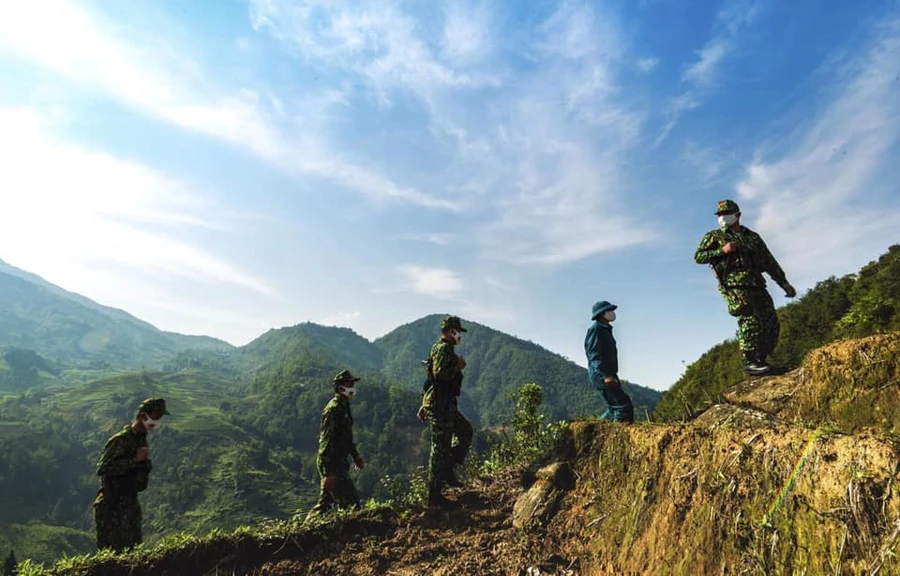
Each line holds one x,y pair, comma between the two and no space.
756,368
453,481
437,500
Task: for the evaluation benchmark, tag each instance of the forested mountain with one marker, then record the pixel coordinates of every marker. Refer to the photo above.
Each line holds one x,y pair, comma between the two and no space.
344,346
74,331
853,306
240,443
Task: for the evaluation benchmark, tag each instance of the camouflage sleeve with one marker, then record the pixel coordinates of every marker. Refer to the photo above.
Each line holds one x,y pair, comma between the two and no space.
118,457
327,461
443,361
351,445
709,250
768,264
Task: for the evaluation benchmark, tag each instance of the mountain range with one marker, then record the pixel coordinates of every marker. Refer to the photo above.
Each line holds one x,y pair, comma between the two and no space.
241,441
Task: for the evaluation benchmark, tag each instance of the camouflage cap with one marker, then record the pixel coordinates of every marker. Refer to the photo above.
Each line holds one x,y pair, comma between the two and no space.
725,206
151,405
344,376
452,323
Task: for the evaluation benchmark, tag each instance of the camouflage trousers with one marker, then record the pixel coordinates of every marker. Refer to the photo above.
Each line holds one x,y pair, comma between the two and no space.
447,424
344,495
758,326
118,523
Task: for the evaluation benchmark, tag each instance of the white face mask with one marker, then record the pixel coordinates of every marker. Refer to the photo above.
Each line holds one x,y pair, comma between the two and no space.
152,425
610,316
456,336
348,391
726,220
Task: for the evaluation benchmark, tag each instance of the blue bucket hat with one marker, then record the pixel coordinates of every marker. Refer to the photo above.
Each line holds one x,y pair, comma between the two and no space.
601,307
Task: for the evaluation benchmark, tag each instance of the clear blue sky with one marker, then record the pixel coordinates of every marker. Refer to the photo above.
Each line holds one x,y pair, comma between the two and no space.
224,167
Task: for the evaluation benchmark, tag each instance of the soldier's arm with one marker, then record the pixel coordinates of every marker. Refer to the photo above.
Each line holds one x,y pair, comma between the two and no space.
607,365
444,365
710,249
117,458
354,453
597,346
769,265
591,350
328,460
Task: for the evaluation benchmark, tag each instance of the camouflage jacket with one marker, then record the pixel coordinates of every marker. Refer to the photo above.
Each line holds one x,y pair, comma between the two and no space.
121,475
602,352
336,438
442,369
743,267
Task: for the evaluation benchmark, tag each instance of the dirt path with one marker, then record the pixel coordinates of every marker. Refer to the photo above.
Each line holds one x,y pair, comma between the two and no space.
478,538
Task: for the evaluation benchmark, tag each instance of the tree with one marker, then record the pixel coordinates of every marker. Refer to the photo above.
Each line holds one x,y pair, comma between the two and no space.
10,565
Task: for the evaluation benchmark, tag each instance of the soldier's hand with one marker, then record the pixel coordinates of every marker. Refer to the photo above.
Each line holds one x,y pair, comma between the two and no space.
143,454
330,483
789,291
729,248
359,463
421,414
460,362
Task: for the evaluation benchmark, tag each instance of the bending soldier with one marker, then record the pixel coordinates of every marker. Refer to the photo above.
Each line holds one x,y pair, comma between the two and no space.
335,447
738,257
124,469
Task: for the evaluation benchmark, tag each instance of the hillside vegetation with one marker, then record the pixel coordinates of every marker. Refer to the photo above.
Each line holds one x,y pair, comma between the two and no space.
74,334
853,306
777,481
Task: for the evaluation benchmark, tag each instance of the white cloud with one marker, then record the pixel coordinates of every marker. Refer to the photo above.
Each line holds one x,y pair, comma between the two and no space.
701,72
67,208
647,65
706,162
439,239
80,46
533,155
435,282
467,37
700,75
829,202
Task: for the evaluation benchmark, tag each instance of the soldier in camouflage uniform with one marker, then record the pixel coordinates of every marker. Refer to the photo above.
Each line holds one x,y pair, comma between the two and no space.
443,383
603,363
124,470
738,257
335,447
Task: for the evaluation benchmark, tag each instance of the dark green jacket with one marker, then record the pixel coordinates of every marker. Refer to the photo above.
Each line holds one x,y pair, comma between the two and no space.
602,353
743,267
122,477
336,438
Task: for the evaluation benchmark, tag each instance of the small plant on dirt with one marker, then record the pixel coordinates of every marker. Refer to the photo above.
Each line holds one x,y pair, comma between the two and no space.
527,434
406,490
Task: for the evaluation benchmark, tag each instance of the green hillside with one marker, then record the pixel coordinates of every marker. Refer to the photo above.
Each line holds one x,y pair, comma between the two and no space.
496,363
344,346
76,332
222,458
853,306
